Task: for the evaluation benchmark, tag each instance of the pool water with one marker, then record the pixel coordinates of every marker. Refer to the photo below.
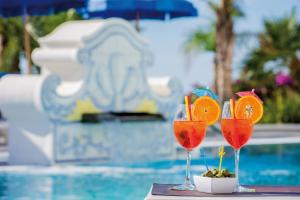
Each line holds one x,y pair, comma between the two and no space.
267,165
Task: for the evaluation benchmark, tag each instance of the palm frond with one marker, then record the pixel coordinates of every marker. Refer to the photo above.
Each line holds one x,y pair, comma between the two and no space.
278,45
201,40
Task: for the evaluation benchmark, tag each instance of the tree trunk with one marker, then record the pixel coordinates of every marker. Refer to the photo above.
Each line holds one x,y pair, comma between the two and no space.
27,48
1,49
224,50
219,81
137,22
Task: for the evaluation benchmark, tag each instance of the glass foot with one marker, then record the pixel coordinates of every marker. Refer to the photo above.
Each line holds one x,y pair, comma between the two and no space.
243,189
185,186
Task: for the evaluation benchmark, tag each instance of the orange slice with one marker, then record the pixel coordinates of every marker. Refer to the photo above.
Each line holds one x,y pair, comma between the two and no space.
249,107
206,109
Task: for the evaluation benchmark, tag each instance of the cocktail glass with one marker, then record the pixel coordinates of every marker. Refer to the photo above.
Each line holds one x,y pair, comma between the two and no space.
189,134
236,132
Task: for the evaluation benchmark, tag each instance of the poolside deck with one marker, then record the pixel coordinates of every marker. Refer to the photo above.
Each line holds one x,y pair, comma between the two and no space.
154,197
163,192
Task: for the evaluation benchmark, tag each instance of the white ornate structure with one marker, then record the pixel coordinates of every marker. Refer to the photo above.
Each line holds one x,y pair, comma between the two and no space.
92,66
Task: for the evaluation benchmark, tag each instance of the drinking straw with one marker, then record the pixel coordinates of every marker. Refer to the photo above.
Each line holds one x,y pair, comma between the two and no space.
232,107
187,101
221,154
203,156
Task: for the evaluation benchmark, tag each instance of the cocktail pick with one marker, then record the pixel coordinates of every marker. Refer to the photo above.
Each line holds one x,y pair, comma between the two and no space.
221,154
205,92
187,101
248,93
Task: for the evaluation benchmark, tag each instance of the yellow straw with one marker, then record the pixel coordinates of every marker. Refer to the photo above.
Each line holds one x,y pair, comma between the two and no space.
188,114
221,154
232,108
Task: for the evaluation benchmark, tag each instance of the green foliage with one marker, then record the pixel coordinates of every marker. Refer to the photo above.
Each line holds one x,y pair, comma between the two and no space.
201,40
11,31
281,103
204,39
42,25
277,50
283,107
12,35
291,107
278,46
274,108
214,173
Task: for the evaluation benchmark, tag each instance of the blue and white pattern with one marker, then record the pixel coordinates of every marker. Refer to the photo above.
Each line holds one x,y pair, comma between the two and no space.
114,142
114,59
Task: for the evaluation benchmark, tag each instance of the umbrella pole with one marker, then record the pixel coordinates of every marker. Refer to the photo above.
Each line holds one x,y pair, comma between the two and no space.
27,48
137,22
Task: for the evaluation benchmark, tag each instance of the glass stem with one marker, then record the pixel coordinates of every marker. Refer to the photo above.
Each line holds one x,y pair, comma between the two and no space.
188,168
237,160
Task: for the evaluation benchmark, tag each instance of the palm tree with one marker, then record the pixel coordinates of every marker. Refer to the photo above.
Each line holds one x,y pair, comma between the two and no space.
279,48
220,39
11,36
10,44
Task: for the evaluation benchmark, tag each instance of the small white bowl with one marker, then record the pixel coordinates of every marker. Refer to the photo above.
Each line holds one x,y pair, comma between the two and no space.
214,185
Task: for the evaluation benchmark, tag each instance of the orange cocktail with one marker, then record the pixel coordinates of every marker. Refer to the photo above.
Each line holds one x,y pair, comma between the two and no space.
189,134
190,123
238,119
237,132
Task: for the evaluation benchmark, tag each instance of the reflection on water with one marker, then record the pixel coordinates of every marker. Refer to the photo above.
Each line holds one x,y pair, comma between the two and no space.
273,164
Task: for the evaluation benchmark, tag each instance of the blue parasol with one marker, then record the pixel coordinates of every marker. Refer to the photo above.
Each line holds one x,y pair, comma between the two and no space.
141,9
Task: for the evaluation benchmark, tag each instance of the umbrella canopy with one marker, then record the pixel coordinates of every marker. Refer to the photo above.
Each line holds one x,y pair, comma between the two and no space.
2,74
141,9
13,8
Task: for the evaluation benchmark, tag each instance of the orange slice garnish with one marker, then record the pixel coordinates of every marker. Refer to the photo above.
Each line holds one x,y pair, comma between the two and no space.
249,107
206,109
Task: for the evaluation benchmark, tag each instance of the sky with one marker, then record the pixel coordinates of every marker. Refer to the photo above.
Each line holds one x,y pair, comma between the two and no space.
166,40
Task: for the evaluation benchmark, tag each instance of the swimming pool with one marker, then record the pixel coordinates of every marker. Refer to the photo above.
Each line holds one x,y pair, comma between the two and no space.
270,164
